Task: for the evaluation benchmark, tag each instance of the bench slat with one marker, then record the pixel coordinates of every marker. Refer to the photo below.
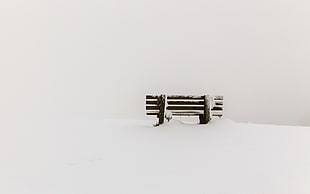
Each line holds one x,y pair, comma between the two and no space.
152,113
185,108
186,114
151,102
186,102
218,97
151,96
152,107
187,111
217,108
184,97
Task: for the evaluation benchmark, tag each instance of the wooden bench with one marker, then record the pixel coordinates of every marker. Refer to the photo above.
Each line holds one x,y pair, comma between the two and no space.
205,107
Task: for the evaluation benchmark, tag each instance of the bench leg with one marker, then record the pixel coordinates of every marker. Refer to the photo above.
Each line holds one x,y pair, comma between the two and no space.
201,119
161,104
161,119
205,117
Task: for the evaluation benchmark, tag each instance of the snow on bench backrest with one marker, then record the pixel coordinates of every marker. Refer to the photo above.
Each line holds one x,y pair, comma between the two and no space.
184,105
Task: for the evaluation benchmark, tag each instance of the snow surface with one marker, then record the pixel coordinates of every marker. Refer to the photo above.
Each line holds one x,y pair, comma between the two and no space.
119,156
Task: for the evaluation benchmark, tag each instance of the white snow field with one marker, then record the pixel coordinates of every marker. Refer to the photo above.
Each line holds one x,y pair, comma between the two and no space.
133,157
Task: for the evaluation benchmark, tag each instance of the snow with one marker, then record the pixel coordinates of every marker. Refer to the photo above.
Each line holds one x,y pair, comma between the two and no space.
131,156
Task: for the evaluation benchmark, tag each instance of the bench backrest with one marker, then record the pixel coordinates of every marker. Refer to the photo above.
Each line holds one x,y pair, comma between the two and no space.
217,106
152,104
184,105
205,107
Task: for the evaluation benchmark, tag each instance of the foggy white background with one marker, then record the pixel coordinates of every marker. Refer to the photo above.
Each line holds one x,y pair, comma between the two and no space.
65,59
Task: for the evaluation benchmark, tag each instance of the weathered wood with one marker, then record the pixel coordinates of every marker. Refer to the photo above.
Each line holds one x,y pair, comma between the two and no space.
218,97
186,114
184,97
152,113
202,119
217,108
151,102
205,118
185,108
152,107
161,103
216,112
151,96
207,108
185,102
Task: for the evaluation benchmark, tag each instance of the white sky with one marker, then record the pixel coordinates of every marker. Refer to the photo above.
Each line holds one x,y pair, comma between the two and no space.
65,59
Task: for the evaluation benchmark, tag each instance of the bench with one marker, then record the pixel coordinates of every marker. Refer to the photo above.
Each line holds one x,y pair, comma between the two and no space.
167,106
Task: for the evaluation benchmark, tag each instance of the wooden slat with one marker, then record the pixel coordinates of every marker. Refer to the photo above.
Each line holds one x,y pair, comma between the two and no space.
217,115
219,103
187,111
151,96
152,108
218,97
185,114
185,108
186,102
151,102
152,113
217,108
184,97
216,111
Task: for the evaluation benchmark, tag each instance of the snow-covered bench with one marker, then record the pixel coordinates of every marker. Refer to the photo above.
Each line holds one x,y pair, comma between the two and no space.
205,107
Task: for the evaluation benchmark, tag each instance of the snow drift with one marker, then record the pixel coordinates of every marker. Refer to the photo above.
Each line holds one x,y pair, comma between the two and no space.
119,156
